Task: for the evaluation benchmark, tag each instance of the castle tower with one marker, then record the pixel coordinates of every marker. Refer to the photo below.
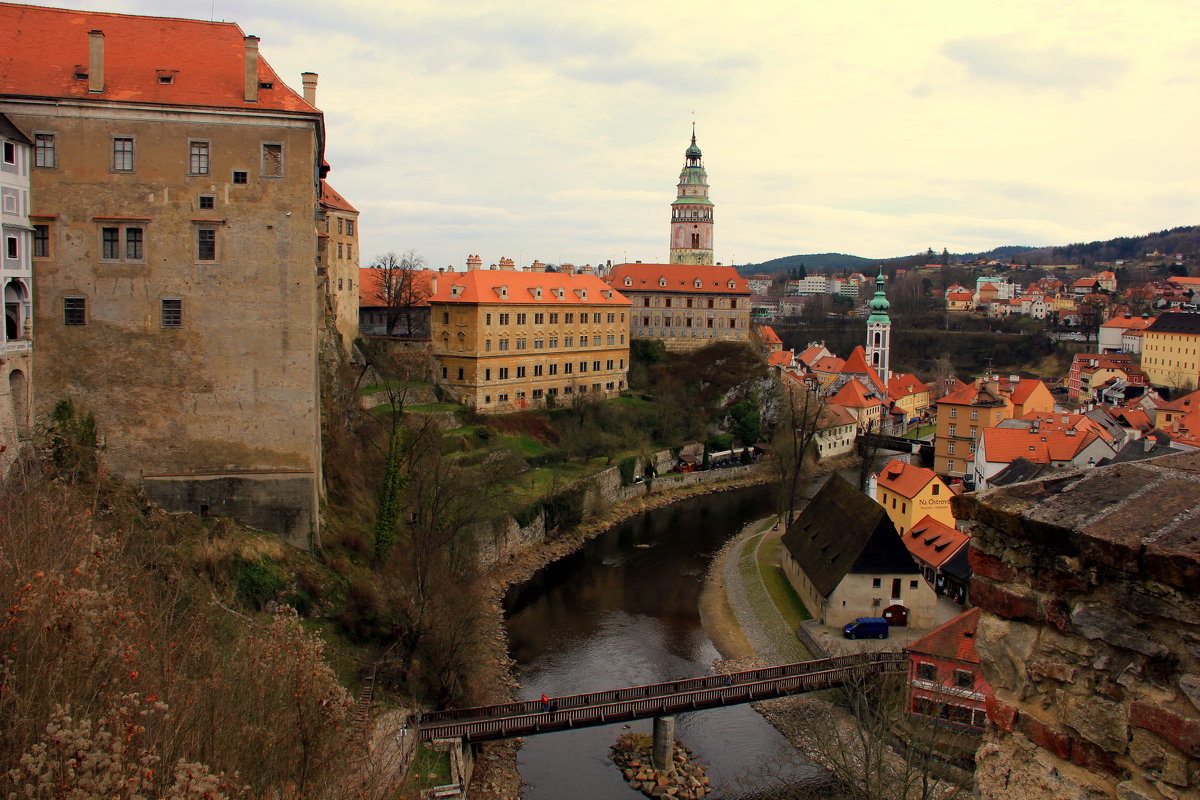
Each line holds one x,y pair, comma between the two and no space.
879,332
692,212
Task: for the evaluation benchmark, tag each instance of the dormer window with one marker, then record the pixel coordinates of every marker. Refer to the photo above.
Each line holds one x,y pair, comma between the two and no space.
699,283
81,73
628,281
662,282
166,76
560,293
732,285
537,292
502,291
456,290
266,85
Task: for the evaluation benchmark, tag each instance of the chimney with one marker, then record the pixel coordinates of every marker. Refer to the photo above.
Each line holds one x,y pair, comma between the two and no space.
251,69
309,79
474,263
96,61
433,283
537,266
507,264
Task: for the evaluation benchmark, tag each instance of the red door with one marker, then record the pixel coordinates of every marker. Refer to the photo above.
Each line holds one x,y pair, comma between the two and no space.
897,616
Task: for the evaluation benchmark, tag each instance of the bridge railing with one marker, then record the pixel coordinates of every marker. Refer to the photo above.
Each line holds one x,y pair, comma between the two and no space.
658,690
606,712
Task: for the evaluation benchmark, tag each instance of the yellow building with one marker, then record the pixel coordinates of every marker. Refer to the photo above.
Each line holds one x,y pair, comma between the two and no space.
1171,352
685,306
908,493
908,394
961,417
508,340
173,191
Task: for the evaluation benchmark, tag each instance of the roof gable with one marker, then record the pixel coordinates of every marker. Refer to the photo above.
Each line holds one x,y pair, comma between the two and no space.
905,479
954,639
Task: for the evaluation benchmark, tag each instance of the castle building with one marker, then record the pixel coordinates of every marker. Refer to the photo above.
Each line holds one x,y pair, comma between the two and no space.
174,188
507,340
19,243
879,332
338,257
692,212
685,306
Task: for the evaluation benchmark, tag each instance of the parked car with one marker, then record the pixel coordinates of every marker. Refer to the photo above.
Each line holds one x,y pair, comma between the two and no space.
866,628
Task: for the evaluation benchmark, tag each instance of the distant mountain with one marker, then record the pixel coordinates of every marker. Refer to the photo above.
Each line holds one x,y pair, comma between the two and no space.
1183,240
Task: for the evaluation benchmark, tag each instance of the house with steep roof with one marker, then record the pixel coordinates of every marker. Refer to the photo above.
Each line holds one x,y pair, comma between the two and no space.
507,340
960,301
865,404
999,447
940,550
908,493
175,184
961,415
826,369
781,358
685,306
770,340
845,560
909,395
1091,370
1111,338
945,678
836,433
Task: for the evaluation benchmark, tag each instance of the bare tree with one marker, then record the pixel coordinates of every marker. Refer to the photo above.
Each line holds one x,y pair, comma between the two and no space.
796,426
400,288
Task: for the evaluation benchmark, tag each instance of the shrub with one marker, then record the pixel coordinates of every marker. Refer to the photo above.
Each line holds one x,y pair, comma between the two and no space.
259,581
627,466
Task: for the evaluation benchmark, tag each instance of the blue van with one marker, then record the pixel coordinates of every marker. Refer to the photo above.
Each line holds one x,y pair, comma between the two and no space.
866,628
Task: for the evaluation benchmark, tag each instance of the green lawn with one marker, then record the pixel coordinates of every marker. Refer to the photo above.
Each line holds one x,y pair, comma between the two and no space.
377,387
430,408
782,595
923,430
429,768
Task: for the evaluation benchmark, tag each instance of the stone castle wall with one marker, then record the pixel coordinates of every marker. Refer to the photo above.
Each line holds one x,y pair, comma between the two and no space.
1090,636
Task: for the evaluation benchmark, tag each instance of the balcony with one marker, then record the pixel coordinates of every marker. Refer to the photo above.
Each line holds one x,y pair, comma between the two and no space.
20,346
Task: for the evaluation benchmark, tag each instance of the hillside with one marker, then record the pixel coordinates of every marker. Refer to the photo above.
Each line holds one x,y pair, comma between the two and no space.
1183,240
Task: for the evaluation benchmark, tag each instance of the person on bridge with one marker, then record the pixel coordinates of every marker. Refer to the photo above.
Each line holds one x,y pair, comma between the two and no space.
545,703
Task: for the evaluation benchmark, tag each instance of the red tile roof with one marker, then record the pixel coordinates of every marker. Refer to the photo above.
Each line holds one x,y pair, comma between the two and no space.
768,334
905,385
1128,323
780,358
41,47
512,287
834,417
331,199
1025,387
933,542
954,639
1187,402
905,479
854,395
810,354
827,364
679,278
857,362
1004,445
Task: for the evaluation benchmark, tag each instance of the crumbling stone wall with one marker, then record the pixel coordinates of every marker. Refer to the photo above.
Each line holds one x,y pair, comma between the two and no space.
1090,637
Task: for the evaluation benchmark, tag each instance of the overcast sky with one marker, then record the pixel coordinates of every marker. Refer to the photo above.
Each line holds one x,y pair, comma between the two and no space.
556,131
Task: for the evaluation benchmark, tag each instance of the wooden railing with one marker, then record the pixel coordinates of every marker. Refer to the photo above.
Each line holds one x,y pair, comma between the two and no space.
527,717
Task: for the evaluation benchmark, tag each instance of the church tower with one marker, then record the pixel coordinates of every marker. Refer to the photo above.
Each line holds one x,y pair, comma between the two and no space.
879,332
692,212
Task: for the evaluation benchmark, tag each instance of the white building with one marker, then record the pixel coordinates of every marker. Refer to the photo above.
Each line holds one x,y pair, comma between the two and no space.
16,274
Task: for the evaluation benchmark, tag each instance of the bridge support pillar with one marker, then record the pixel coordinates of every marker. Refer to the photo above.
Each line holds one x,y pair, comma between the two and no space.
663,752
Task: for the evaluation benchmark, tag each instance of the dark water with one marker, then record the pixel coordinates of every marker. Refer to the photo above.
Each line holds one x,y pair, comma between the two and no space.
615,614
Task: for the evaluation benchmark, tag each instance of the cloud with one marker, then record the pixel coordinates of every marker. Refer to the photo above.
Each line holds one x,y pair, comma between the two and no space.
1004,59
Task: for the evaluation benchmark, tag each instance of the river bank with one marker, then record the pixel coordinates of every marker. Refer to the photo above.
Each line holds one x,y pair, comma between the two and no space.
496,775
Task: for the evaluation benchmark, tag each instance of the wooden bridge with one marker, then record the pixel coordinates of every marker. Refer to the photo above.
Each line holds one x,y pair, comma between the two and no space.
528,717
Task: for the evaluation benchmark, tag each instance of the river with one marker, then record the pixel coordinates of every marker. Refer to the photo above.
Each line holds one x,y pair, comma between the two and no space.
624,610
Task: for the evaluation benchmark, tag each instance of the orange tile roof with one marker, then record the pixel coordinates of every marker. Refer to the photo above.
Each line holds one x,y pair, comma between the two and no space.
780,358
40,48
854,395
905,479
1058,421
512,287
1179,281
934,542
768,334
331,199
1187,402
810,353
857,362
967,395
1023,389
1128,323
1004,445
954,639
678,278
834,416
905,385
370,286
827,364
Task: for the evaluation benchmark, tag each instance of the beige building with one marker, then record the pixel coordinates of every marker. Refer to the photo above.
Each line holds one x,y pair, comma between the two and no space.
1171,352
338,257
174,190
507,340
685,306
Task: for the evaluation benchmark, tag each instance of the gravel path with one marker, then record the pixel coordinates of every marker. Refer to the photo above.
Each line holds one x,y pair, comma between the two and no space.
762,623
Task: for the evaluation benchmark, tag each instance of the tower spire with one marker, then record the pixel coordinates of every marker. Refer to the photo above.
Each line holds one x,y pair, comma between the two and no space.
692,211
879,331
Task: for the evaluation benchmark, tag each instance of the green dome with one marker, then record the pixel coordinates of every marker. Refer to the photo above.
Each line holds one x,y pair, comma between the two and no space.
879,304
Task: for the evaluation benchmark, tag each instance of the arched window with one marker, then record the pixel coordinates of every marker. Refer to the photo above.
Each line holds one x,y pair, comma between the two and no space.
695,241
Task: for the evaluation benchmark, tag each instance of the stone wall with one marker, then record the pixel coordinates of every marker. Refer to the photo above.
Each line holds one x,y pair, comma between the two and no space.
1090,637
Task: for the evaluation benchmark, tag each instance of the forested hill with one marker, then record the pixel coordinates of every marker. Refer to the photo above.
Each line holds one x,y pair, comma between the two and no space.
1183,240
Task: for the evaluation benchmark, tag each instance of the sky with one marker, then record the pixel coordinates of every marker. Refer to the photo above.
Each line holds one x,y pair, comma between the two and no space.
556,131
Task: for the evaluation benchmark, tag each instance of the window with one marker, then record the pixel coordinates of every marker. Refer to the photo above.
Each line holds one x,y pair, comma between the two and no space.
646,302
595,366
460,373
612,339
504,319
520,372
340,250
504,373
340,282
537,370
568,368
487,374
554,318
10,153
445,317
912,584
74,310
198,158
974,413
926,671
596,317
487,345
583,366
123,154
272,161
953,413
612,318
539,344
964,679
568,341
41,241
953,429
43,150
110,244
240,176
554,369
538,319
609,364
876,583
349,227
537,394
936,490
950,448
553,342
207,201
339,219
487,319
583,341
206,244
522,318
134,242
521,343
172,313
10,247
444,372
